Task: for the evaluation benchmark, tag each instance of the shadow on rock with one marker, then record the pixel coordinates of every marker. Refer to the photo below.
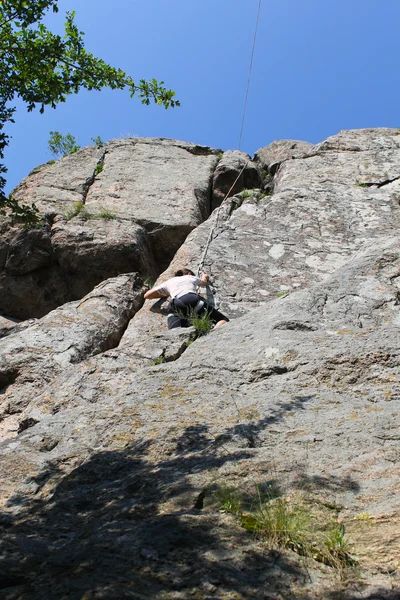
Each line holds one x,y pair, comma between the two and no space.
110,529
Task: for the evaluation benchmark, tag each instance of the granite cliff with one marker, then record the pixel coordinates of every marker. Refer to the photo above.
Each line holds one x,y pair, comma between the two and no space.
119,436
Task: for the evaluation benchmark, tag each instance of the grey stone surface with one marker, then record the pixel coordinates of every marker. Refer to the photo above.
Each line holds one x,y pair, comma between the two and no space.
107,489
31,357
317,217
301,392
6,325
137,201
163,185
55,187
270,157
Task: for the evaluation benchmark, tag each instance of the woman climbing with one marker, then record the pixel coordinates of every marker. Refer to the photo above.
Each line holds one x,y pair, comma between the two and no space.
184,299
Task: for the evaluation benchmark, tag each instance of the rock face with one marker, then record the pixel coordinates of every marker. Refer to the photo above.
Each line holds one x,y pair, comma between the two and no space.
234,172
125,207
31,358
113,462
270,157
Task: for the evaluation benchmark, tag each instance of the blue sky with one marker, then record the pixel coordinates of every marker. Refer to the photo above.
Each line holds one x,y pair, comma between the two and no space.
320,66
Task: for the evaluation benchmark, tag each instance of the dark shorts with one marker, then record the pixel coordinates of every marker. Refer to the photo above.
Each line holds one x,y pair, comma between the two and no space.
183,306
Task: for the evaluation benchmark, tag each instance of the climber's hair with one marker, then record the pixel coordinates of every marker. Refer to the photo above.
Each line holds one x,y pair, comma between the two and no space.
182,272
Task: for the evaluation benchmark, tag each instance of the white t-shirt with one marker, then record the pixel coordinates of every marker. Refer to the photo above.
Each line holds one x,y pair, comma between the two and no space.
177,286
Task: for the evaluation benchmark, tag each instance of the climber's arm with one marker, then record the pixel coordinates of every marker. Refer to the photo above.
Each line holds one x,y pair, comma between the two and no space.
204,280
158,291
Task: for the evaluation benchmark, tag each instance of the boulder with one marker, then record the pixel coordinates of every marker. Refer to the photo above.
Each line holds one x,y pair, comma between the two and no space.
270,157
127,206
163,185
32,356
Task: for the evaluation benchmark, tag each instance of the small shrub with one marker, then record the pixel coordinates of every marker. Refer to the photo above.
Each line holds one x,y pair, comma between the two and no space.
99,168
62,145
219,155
97,141
282,293
266,175
361,185
149,282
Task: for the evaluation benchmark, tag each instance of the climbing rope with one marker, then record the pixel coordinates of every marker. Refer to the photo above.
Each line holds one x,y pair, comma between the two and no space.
250,70
209,239
210,235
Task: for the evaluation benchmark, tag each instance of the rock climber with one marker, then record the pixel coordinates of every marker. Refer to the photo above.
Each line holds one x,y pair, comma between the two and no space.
184,298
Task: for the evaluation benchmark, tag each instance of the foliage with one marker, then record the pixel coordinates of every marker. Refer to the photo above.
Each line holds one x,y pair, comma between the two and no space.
62,145
149,282
229,500
41,69
266,175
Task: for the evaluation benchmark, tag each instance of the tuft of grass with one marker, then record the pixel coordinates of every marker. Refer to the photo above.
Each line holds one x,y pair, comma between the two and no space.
361,185
106,214
86,215
229,500
159,360
337,548
201,323
282,293
219,155
244,194
282,521
76,209
289,522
